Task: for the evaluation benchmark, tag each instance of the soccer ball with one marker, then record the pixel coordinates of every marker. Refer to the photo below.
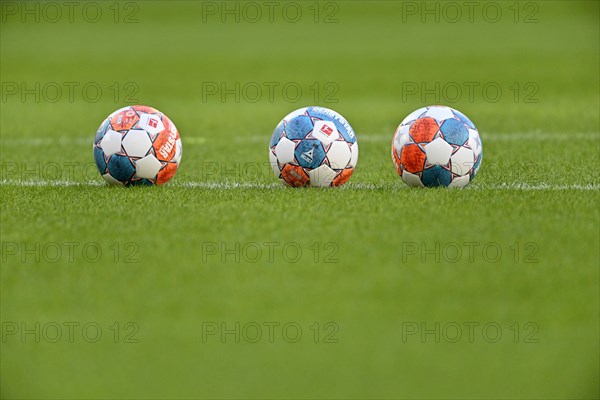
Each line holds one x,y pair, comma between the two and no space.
437,146
137,145
313,146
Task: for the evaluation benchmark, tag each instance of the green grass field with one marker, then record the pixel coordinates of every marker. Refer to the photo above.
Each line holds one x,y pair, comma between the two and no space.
372,290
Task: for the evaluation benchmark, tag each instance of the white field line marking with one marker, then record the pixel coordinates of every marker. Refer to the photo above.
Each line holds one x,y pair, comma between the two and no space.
200,140
269,186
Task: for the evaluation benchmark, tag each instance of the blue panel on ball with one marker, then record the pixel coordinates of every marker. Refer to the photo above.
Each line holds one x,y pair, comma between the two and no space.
310,153
121,168
102,130
345,131
464,119
298,127
436,176
141,182
276,135
454,131
477,162
100,162
322,113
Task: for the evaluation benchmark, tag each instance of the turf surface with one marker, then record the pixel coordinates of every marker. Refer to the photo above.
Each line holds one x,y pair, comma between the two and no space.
487,292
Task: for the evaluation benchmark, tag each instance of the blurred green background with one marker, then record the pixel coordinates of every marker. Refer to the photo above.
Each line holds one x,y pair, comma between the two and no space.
533,69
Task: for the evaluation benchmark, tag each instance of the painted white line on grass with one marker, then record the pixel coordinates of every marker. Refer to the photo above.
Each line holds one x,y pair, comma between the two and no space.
99,183
501,186
362,137
539,186
51,183
227,185
269,186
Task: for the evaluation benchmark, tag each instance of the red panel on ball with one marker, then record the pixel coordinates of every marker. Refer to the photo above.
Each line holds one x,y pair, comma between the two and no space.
295,175
146,109
423,130
412,158
166,173
342,177
124,120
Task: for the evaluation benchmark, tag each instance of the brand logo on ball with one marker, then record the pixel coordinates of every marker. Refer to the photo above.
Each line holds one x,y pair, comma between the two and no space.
308,155
295,175
166,148
153,123
326,130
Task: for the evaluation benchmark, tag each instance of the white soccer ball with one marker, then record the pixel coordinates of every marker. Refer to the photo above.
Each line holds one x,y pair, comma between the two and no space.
437,146
313,146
